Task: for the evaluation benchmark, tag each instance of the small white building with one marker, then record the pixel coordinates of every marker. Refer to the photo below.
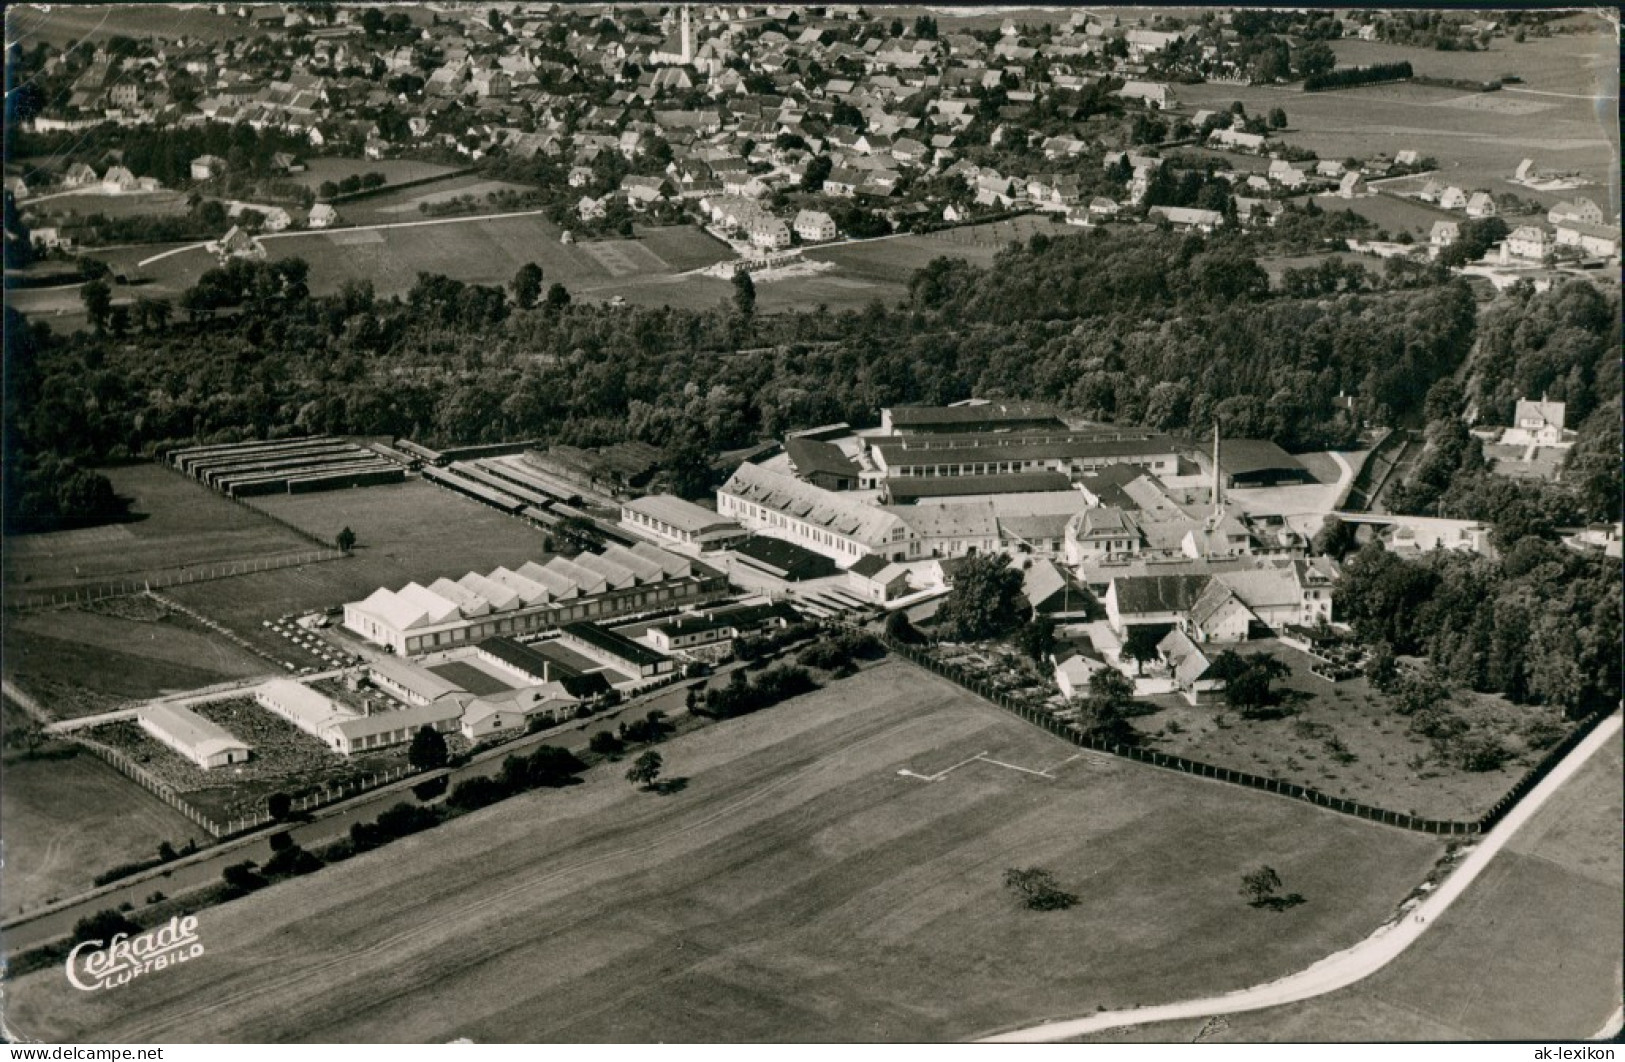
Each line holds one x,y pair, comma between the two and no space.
322,216
1536,423
205,744
815,226
1527,241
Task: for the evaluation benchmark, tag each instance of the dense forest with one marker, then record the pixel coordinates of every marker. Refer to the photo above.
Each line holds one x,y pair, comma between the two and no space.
1149,327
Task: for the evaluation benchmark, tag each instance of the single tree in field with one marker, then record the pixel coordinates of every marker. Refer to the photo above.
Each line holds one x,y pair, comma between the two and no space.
527,285
1260,886
98,300
744,294
1037,889
645,769
346,539
428,750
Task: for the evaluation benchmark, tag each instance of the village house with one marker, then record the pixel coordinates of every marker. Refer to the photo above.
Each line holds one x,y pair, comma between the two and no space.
815,226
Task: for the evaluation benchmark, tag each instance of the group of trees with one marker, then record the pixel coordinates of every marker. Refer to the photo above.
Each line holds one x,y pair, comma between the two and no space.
1541,625
546,767
1351,76
1167,330
839,652
742,694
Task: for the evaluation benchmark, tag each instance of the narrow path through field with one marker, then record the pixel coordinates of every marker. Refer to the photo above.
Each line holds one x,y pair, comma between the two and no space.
1354,964
353,228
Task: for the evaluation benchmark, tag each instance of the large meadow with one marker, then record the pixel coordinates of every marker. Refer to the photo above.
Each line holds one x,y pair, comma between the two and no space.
797,888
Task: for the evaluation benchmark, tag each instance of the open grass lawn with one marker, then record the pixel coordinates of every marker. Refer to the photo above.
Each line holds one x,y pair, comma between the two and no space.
412,530
178,523
77,662
67,819
1530,952
796,889
1392,768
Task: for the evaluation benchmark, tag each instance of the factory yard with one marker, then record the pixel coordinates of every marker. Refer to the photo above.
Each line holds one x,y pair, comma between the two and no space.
799,888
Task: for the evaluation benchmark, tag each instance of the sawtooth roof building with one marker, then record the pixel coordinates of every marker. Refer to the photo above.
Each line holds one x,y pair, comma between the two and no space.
530,599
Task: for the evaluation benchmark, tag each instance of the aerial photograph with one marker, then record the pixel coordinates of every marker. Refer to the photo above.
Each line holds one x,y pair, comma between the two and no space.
702,524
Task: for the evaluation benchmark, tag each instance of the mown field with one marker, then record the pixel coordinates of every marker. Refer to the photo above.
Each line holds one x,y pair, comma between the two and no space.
67,819
1530,952
177,523
796,889
1347,740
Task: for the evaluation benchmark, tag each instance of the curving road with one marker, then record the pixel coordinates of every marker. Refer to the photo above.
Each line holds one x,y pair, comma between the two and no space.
1346,967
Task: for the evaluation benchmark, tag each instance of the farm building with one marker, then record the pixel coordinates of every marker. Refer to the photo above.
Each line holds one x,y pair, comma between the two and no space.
532,598
204,743
671,519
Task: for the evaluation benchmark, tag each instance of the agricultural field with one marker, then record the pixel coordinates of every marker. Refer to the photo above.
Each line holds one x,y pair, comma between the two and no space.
62,26
123,205
177,523
1554,116
797,888
1530,952
82,661
66,817
1347,740
1386,211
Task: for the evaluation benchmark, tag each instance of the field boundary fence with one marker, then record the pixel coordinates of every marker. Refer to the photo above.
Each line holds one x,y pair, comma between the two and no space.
150,782
112,588
319,798
1197,768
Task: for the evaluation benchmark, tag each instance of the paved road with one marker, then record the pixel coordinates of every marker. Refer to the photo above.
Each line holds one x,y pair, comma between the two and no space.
1354,964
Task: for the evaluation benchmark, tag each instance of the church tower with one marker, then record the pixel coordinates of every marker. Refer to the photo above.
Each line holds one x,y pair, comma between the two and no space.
688,38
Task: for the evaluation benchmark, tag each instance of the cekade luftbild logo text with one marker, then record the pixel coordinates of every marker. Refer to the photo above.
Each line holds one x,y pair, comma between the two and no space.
96,964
